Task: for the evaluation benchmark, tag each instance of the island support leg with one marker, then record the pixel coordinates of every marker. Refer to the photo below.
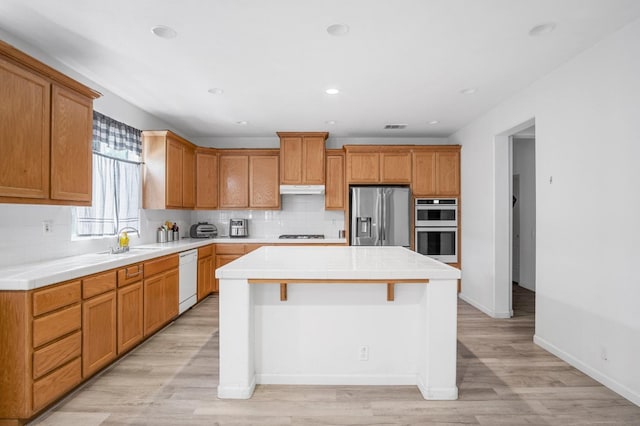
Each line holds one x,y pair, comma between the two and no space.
237,364
437,358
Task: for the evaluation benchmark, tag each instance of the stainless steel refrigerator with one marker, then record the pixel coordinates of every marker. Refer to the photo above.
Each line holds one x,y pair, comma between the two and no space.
379,215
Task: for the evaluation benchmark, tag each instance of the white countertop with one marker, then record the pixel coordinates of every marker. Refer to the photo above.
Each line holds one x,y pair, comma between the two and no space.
343,262
39,274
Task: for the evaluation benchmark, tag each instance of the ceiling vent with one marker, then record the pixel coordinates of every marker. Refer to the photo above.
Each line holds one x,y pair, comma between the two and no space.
395,126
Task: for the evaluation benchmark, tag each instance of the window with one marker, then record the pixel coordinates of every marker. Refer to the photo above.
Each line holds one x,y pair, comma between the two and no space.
117,149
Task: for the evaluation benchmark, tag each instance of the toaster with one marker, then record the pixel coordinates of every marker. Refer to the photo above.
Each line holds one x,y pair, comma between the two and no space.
203,230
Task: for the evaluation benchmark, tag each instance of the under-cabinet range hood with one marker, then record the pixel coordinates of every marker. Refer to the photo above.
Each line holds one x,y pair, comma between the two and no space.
301,189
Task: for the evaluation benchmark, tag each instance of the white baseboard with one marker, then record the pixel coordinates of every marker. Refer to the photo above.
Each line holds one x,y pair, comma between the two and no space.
607,381
336,379
237,392
440,394
480,307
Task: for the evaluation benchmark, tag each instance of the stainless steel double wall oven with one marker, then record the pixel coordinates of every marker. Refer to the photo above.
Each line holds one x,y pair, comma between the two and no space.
436,228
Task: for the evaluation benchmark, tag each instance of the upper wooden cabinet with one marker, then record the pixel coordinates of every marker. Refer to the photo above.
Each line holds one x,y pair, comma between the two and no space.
436,171
249,179
302,158
45,133
387,164
334,198
169,172
206,178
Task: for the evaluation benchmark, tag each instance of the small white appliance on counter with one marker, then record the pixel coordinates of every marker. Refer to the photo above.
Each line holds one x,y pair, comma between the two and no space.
188,279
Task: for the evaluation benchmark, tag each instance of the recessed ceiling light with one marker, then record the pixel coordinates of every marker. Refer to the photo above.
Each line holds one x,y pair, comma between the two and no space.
469,91
216,91
542,29
434,122
163,31
330,122
338,29
242,123
332,91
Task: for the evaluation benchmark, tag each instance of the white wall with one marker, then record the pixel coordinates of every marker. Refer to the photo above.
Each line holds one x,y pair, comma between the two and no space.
524,165
588,289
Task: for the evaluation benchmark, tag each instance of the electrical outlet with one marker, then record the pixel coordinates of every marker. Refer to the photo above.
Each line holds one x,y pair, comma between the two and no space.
47,226
363,353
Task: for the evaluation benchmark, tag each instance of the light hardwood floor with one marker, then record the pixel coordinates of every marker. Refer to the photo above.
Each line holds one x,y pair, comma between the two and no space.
503,379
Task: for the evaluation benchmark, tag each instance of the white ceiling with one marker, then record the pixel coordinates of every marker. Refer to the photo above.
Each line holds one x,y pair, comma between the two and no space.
403,61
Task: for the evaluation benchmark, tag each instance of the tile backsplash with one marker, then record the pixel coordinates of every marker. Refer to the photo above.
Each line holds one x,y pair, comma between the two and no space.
299,214
24,241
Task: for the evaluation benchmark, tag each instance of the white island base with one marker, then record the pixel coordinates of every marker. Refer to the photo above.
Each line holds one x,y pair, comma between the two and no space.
338,328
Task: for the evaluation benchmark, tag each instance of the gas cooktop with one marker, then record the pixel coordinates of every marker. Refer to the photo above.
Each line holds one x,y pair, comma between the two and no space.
300,236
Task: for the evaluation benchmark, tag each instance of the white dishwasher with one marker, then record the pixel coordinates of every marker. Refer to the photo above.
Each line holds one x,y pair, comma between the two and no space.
188,279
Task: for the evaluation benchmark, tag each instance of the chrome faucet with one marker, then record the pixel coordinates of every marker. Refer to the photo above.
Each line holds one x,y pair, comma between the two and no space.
117,249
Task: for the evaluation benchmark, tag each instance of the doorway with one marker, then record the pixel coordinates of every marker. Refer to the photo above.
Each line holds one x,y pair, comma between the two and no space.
503,218
523,222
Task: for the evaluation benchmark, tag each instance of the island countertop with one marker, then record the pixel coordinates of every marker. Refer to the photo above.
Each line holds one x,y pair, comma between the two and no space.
333,263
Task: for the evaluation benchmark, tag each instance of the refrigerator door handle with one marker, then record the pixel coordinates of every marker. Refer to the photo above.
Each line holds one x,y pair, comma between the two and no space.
383,220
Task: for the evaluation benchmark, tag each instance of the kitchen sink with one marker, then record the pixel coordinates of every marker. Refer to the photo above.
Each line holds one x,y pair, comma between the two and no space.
131,250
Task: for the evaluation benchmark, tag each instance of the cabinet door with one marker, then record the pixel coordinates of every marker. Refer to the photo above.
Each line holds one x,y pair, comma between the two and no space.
71,146
291,160
171,296
205,277
448,173
210,275
313,160
174,173
395,167
424,173
363,167
98,332
153,303
130,316
335,186
188,177
264,190
24,133
202,277
206,180
234,181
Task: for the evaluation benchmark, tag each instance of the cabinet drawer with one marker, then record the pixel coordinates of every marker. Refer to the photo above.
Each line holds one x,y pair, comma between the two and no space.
52,356
55,297
98,284
57,324
205,251
56,384
162,264
229,248
130,274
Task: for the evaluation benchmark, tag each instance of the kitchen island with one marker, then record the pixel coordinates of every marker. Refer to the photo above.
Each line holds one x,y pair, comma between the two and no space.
337,316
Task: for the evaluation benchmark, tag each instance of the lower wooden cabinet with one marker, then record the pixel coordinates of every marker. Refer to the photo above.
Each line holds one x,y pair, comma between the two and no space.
160,292
130,316
56,384
98,332
206,281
